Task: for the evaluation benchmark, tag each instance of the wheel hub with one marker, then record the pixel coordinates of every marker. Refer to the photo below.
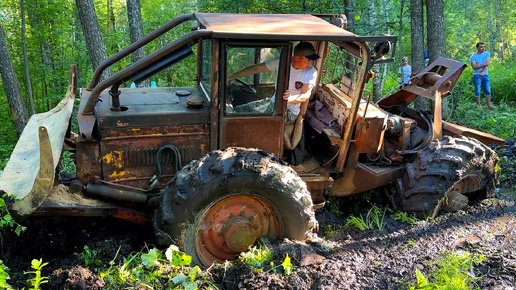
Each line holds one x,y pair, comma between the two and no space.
232,225
239,234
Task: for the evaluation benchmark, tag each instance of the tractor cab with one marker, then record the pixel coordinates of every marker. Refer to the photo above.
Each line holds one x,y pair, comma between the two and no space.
133,124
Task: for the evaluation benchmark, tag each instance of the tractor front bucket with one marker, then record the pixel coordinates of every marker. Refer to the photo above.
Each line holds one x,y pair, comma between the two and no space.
30,172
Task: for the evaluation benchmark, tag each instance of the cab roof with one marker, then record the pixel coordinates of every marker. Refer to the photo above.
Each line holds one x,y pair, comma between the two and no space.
272,26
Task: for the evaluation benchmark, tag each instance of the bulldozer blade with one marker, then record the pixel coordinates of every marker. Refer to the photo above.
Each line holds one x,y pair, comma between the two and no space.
30,171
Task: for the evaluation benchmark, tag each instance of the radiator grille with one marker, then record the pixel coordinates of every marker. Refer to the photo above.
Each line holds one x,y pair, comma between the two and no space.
147,156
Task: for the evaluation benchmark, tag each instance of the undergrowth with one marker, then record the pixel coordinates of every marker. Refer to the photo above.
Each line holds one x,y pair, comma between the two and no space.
407,218
4,276
452,272
372,220
36,281
154,269
8,139
259,258
67,162
7,222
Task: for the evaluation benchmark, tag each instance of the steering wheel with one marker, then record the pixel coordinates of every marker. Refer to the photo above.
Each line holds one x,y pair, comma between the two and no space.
244,87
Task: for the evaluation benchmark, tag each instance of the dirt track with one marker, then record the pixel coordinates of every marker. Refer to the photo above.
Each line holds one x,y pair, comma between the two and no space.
350,259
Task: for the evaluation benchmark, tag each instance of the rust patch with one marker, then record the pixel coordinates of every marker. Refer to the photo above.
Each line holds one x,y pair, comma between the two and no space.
121,124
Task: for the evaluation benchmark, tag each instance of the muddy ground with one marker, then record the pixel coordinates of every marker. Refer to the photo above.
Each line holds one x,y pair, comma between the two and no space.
339,258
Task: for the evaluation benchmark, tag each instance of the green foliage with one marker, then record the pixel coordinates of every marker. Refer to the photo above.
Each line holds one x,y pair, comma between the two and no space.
462,34
275,6
421,282
89,257
8,139
334,204
359,203
287,266
452,272
329,231
6,220
188,282
500,122
176,257
372,220
151,259
4,276
404,217
509,168
36,281
67,163
154,271
501,76
256,257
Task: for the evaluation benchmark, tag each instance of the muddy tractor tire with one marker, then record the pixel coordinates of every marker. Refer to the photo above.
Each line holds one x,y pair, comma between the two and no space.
443,175
218,206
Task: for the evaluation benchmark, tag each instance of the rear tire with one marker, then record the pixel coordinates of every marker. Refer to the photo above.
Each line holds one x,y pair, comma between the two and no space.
216,207
455,168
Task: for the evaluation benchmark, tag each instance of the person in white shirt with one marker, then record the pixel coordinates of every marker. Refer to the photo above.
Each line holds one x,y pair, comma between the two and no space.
302,78
407,71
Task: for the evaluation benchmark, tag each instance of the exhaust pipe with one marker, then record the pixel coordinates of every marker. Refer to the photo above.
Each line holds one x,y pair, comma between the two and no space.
113,194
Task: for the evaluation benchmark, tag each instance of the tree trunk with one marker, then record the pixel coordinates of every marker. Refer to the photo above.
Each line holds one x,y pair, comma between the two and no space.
136,31
417,46
400,47
384,65
435,29
350,14
350,11
111,17
377,86
26,59
111,25
91,31
11,86
436,38
38,22
499,42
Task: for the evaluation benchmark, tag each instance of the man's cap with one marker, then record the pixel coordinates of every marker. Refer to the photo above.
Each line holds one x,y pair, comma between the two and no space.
307,50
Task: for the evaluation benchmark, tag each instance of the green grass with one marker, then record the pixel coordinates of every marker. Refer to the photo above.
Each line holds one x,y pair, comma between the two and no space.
329,231
89,256
407,218
373,220
500,122
452,272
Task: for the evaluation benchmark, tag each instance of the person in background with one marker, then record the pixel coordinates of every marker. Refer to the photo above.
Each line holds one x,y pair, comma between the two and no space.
480,62
405,71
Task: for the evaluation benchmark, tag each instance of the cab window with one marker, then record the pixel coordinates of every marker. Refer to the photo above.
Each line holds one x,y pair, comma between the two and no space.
253,94
206,75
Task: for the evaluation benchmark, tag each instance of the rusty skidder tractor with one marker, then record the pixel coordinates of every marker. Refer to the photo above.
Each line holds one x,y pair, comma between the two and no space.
235,187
